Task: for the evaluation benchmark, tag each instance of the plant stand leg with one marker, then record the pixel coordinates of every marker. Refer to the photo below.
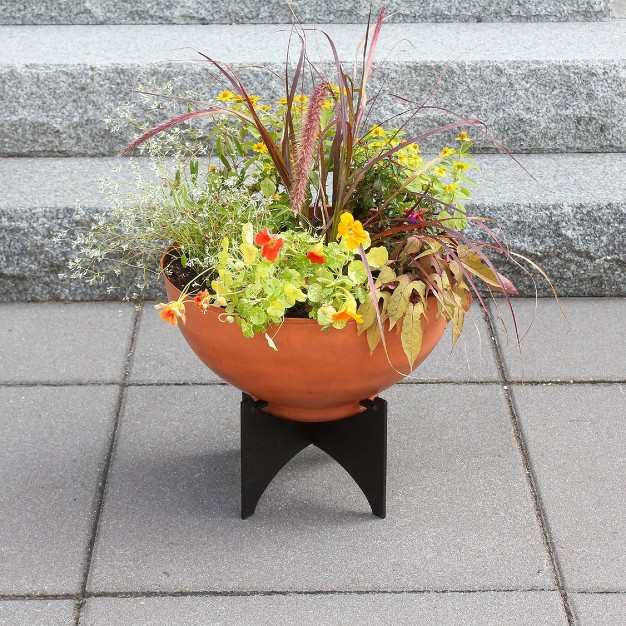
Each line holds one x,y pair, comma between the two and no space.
357,443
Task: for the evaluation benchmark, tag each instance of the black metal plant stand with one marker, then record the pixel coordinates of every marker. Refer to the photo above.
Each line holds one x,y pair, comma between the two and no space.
357,443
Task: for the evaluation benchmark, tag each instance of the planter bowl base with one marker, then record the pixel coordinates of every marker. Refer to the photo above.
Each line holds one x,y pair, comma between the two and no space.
358,443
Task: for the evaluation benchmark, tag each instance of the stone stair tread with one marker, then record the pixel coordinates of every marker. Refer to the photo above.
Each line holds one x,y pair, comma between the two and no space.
271,11
458,42
546,87
571,221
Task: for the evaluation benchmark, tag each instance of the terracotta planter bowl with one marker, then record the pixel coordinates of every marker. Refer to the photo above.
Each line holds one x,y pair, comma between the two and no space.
316,375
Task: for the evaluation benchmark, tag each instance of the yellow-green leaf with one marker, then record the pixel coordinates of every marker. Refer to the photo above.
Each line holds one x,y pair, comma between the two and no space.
373,337
401,298
411,335
247,233
249,252
386,275
478,268
368,310
398,301
270,342
412,246
377,257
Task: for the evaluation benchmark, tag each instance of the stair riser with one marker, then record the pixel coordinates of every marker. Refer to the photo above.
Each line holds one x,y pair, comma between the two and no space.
571,243
529,106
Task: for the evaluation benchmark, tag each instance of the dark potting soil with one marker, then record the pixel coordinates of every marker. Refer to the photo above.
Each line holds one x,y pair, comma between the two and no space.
181,276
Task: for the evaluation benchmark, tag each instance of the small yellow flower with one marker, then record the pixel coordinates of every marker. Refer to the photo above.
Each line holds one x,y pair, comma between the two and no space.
213,168
276,196
461,167
254,99
282,101
301,98
463,137
450,187
226,96
440,172
403,159
329,103
376,131
414,147
377,145
334,88
266,107
351,231
259,147
446,151
267,167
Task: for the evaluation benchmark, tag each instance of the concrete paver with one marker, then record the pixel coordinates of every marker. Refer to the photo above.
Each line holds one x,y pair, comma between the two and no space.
592,348
471,360
162,355
54,441
576,437
539,608
64,342
459,510
36,613
461,543
600,609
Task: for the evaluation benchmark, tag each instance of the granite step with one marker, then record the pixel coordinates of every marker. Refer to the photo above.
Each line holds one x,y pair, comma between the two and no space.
571,220
542,87
277,11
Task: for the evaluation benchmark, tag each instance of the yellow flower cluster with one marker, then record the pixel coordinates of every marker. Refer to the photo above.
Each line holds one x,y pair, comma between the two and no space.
351,231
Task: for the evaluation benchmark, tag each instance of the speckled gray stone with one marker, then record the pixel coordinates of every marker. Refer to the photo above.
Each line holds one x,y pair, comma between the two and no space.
75,342
618,9
540,608
271,11
36,613
600,609
576,437
540,87
39,198
587,344
460,514
570,220
54,443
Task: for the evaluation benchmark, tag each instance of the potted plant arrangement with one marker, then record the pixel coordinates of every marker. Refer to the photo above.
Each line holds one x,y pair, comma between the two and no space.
311,257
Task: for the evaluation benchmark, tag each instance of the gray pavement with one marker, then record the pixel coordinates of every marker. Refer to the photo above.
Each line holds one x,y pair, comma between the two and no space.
119,483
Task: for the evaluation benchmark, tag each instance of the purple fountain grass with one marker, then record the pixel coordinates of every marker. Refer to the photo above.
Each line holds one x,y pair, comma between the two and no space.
307,147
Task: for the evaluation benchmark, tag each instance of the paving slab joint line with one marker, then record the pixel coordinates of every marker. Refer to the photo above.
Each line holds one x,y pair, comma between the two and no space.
530,477
305,592
519,383
80,601
37,596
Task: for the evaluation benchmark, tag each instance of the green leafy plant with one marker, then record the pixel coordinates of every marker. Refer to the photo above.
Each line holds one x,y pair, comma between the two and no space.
272,206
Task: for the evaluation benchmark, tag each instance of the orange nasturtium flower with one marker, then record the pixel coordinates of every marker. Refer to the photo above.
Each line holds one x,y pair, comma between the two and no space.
346,313
203,299
172,312
271,244
316,254
352,231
